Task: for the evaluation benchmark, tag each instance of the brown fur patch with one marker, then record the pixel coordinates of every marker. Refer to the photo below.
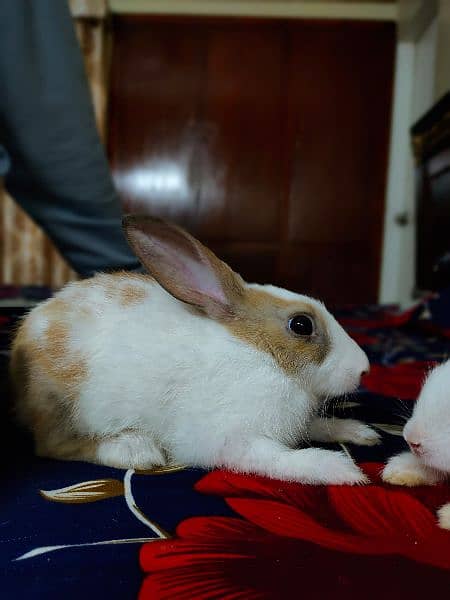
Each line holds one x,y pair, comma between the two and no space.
19,370
40,362
51,351
54,355
262,320
127,277
47,371
130,295
55,306
64,446
121,287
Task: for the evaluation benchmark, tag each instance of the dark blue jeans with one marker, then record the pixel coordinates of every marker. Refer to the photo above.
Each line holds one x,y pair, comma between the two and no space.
51,155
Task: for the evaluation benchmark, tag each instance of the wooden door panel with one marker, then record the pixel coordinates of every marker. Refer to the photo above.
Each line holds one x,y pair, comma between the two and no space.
336,129
244,107
337,272
266,138
156,92
186,119
256,262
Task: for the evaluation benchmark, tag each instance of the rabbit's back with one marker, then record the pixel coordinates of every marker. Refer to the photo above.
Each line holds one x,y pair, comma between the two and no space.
62,342
117,352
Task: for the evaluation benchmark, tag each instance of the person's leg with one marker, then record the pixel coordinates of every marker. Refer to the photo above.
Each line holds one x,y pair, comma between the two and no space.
58,171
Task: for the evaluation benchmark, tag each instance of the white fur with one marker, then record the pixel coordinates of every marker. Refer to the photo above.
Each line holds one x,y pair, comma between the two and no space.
343,430
444,516
130,448
429,426
430,422
341,371
165,380
406,469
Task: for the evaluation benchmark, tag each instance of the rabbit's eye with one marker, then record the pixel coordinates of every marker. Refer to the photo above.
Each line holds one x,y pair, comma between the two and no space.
301,325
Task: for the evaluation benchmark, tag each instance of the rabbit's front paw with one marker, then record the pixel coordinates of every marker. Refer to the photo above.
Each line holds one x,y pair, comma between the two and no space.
130,450
336,468
358,433
444,516
405,469
343,430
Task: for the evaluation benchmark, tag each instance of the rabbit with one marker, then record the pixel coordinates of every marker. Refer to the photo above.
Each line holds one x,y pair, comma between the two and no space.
428,435
187,365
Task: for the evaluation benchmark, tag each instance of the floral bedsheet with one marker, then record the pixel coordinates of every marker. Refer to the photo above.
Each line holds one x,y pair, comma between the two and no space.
74,530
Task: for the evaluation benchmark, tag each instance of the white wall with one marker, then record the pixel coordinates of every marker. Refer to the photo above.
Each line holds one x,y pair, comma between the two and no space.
413,95
317,9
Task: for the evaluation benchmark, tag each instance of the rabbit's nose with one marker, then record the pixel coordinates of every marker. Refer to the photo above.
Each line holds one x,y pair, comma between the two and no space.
416,447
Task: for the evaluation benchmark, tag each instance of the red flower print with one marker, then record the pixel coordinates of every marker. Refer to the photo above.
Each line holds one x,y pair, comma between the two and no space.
363,339
295,541
403,380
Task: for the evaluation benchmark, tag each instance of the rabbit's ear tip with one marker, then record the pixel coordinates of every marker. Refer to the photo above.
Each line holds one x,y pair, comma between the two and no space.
150,225
135,219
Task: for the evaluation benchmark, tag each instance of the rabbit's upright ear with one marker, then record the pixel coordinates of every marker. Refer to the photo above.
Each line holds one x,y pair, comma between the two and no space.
183,266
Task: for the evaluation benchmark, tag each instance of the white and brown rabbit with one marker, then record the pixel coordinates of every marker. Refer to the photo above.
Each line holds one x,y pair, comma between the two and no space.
428,436
189,365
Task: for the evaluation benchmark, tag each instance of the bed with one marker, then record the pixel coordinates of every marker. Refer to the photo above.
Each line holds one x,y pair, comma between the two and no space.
76,530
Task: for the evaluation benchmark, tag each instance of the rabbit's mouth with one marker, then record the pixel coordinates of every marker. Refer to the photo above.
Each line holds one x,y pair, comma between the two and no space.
337,388
417,449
